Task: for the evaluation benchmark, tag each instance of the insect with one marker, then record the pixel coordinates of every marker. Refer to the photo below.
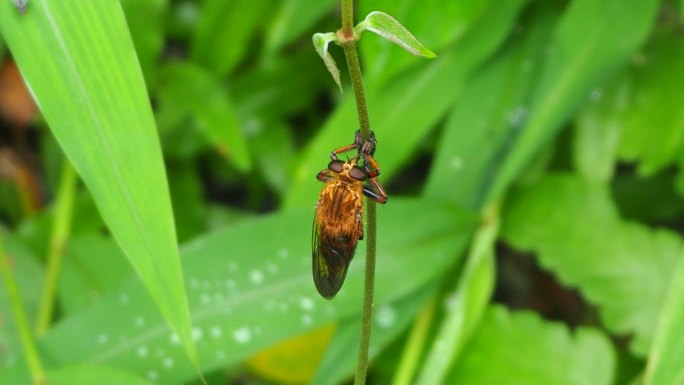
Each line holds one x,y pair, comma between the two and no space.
338,222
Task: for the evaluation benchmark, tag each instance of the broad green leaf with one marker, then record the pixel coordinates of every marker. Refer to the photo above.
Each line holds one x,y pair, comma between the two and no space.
189,88
481,126
93,265
389,320
666,359
598,127
390,29
623,268
465,306
584,51
102,375
436,23
78,60
224,32
404,111
522,349
652,123
250,286
292,18
321,42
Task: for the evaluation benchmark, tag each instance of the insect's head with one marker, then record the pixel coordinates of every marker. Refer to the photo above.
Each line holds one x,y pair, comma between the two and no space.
348,168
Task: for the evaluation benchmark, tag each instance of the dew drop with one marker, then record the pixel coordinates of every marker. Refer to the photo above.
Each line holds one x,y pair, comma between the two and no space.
306,303
142,351
386,316
232,266
167,362
456,163
205,299
242,335
216,332
174,339
451,301
139,321
102,338
256,276
596,94
123,298
152,375
307,319
517,116
220,355
283,253
272,268
196,334
194,283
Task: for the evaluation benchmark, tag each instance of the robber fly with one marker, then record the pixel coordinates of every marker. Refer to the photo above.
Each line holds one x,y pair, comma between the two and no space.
338,222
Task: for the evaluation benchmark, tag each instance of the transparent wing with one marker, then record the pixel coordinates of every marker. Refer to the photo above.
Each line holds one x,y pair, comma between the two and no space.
331,255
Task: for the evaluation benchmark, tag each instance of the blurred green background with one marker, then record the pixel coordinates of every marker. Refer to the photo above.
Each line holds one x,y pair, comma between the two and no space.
533,233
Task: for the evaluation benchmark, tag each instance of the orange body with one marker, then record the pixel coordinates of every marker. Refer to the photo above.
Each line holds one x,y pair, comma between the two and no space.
338,224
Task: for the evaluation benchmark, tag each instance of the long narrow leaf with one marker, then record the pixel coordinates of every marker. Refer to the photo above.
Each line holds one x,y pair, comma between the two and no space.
78,59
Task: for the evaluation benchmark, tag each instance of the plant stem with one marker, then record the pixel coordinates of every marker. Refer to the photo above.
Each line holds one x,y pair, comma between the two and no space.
347,17
60,233
352,57
30,351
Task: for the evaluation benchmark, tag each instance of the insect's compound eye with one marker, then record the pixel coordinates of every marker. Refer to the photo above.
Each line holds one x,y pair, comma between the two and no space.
358,173
336,165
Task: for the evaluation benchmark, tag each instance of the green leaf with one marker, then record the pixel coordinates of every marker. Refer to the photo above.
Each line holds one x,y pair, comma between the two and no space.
248,291
389,320
93,265
666,359
404,111
292,18
480,128
654,104
224,31
390,29
189,88
522,349
584,52
79,62
598,128
437,23
103,375
465,306
623,268
321,41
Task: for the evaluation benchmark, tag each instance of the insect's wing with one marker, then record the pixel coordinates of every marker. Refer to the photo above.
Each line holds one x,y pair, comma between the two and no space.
331,256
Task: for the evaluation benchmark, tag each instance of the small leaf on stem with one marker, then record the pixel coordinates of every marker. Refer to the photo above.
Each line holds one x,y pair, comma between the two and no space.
320,42
389,28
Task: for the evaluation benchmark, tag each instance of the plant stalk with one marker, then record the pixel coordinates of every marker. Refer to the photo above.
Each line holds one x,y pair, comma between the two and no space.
354,67
60,232
35,364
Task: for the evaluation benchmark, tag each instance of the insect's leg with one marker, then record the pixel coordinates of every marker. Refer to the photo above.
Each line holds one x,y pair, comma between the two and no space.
343,149
371,167
373,190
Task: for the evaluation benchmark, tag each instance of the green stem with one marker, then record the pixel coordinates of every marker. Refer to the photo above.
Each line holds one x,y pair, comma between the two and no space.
347,17
369,282
30,351
60,233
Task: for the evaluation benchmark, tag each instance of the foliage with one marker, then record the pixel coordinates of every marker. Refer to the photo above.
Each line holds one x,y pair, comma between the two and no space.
206,123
